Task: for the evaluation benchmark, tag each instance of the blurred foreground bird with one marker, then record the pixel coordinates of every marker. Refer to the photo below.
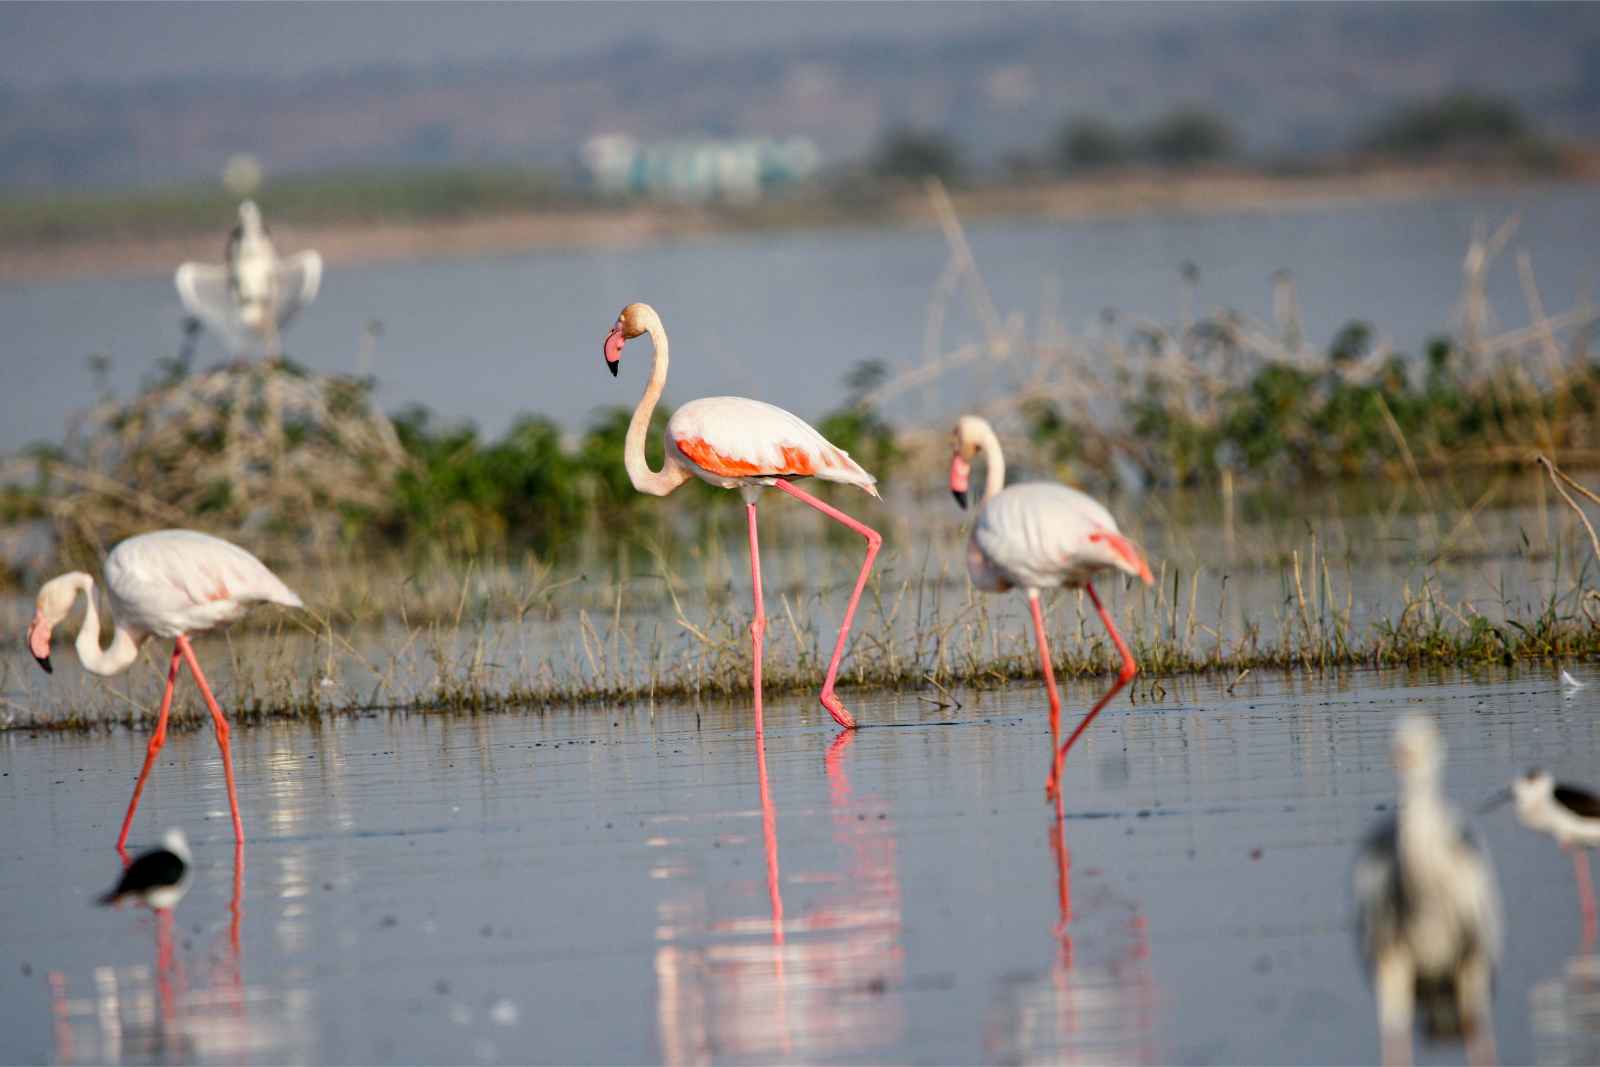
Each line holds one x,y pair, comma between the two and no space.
158,878
253,293
170,583
1428,909
735,443
1037,536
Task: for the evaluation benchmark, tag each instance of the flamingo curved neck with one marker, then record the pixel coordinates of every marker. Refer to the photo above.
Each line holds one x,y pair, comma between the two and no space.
124,647
664,481
995,460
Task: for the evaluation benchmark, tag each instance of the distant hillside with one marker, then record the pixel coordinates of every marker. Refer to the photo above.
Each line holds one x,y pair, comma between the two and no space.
1293,78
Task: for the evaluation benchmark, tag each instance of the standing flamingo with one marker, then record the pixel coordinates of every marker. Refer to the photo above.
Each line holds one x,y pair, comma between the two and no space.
1038,535
170,583
734,443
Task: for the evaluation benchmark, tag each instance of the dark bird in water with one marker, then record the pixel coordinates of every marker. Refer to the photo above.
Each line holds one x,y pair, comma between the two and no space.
158,878
1429,911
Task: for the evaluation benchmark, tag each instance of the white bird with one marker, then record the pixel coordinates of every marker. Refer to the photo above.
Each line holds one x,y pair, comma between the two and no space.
170,583
1428,909
734,443
1036,536
253,293
1572,684
158,878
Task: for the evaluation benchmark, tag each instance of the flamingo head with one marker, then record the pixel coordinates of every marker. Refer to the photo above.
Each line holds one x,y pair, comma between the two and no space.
51,606
634,320
966,441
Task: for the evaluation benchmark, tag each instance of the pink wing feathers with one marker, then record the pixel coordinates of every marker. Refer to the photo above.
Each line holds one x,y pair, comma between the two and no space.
732,439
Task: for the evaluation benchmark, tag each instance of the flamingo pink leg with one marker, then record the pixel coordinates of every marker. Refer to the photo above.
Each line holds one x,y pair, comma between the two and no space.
758,625
1580,867
834,705
1124,676
222,731
157,739
1050,687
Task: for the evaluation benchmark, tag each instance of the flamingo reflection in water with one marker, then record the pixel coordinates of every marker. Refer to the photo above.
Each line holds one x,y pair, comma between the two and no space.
1095,1010
770,985
133,1013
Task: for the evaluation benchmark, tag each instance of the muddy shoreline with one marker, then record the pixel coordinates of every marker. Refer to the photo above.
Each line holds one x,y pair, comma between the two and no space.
1124,195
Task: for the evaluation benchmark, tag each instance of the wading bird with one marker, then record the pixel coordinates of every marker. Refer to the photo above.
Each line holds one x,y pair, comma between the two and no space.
1037,536
158,878
170,583
253,293
734,443
1567,813
1429,912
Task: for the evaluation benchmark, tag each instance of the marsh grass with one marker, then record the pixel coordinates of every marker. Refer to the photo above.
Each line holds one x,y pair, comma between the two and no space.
669,637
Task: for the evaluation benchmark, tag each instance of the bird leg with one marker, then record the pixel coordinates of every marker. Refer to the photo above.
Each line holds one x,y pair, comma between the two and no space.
1050,790
1474,990
834,705
1580,867
758,625
1394,982
221,726
1124,676
769,839
157,739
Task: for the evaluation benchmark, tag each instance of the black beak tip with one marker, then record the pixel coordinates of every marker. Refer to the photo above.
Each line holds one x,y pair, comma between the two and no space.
612,367
961,498
44,661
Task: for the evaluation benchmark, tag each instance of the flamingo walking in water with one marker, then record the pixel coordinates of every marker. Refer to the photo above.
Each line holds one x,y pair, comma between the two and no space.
734,443
1035,536
170,583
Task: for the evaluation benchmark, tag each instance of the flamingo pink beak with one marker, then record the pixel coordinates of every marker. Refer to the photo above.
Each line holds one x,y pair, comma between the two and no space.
960,475
38,640
613,348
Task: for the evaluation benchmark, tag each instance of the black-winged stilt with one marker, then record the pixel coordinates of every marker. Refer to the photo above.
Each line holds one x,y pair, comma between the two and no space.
1429,911
158,878
1568,813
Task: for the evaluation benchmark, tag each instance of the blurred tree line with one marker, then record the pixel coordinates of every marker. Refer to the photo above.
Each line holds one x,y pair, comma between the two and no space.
1462,127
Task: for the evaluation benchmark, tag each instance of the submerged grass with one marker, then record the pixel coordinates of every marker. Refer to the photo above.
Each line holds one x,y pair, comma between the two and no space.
921,628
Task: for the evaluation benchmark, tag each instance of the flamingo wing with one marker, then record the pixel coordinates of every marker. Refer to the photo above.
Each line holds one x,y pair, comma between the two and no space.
730,440
175,581
204,290
1037,534
299,278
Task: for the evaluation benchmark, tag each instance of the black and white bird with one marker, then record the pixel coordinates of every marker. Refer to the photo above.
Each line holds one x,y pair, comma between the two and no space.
158,878
1429,910
1568,813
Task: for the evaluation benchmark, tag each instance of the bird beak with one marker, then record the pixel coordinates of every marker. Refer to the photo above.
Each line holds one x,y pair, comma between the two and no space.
1502,797
613,348
38,641
960,475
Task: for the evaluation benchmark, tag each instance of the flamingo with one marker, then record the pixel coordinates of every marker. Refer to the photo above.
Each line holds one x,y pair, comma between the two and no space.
253,290
170,583
1036,536
734,443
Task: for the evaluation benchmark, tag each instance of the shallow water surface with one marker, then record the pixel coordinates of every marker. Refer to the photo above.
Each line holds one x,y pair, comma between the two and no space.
634,886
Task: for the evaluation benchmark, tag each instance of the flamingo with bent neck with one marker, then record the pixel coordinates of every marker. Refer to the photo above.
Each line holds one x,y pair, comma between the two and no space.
170,583
734,443
1039,535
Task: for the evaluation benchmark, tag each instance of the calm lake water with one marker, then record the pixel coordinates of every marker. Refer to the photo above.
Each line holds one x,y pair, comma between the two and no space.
784,316
619,886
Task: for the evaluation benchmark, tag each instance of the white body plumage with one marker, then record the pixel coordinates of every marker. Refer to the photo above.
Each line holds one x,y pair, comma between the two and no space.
1037,535
732,441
